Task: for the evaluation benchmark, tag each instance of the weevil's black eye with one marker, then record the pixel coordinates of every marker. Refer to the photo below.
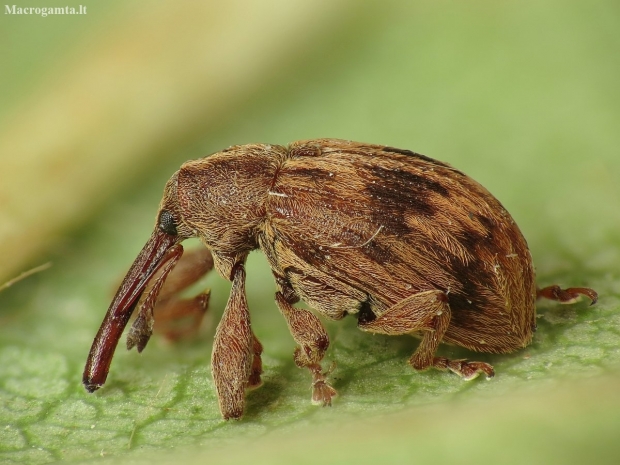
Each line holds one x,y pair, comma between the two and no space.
167,223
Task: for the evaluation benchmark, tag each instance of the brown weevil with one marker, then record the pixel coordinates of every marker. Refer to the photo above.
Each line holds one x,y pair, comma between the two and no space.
407,243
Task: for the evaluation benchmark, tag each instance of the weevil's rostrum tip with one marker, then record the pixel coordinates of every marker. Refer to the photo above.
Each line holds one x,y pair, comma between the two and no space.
91,387
406,243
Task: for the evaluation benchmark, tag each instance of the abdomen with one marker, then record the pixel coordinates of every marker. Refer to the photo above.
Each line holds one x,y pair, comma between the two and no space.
389,224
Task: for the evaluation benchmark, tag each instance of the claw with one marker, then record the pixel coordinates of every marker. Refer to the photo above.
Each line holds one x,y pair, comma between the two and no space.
322,392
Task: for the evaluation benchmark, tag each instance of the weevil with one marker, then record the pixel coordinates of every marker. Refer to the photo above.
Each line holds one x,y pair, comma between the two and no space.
408,244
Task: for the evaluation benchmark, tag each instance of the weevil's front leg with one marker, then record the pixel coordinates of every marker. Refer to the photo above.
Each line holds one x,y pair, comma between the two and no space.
142,327
235,361
313,341
160,308
177,318
429,312
566,296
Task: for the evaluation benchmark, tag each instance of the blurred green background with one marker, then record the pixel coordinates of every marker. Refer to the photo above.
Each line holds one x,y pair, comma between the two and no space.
98,110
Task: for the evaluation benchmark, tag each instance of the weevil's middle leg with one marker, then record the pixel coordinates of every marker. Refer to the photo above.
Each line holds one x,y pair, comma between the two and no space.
429,312
313,341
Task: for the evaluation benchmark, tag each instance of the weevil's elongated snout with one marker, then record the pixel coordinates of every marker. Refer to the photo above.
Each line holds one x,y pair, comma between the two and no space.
160,249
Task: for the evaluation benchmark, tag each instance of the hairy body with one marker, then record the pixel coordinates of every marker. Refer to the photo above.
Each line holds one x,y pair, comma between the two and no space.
407,243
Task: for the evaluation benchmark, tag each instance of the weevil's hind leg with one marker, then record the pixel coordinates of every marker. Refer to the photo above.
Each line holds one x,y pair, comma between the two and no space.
313,341
235,351
566,296
428,312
